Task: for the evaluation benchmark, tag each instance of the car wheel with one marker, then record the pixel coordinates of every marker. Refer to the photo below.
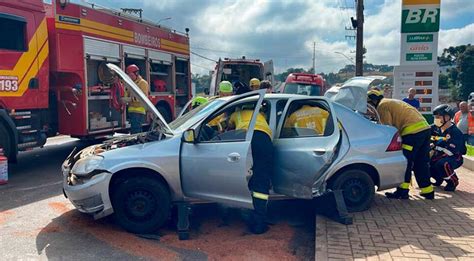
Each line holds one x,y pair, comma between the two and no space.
357,188
141,204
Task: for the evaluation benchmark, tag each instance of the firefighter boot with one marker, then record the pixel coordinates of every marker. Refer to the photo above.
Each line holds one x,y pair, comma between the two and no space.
258,225
451,186
400,193
437,183
429,195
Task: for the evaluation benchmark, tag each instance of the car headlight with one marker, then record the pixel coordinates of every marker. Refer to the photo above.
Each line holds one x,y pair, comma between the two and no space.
87,165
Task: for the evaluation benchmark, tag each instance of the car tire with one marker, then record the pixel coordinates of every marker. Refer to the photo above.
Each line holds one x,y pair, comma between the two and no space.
141,204
357,187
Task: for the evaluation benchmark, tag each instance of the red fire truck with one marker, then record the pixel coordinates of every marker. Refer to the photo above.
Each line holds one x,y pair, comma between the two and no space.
53,77
304,83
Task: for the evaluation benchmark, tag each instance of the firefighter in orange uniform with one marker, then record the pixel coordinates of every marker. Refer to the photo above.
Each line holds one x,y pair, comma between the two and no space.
262,155
308,117
136,110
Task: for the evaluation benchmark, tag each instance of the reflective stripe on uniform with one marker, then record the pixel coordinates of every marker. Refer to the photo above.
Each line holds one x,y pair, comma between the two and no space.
137,110
259,195
407,147
405,185
426,190
414,128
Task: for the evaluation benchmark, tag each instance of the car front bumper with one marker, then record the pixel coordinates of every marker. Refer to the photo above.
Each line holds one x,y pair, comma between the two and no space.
90,196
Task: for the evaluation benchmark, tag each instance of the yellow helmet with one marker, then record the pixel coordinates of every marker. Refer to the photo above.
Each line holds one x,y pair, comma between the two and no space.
374,94
254,82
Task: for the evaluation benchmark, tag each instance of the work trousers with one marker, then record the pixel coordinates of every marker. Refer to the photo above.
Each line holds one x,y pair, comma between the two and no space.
443,169
136,121
416,148
259,184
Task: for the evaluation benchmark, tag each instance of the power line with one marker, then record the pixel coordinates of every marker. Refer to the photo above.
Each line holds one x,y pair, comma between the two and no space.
203,57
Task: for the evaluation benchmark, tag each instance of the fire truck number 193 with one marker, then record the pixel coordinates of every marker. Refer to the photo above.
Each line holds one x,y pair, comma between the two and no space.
8,85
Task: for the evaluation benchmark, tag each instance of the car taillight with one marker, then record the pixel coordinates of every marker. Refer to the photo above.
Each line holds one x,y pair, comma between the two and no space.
396,143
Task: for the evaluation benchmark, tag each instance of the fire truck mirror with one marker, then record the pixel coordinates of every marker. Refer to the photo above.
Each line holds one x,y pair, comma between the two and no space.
34,83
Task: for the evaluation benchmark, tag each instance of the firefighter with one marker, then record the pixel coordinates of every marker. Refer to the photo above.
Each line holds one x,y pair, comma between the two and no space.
415,132
136,111
262,155
254,84
308,117
267,85
198,101
225,89
448,146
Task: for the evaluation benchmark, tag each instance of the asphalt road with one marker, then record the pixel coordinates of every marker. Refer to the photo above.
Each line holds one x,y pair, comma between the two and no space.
37,222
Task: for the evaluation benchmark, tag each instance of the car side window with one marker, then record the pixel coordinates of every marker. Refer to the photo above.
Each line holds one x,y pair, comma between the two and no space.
231,123
307,118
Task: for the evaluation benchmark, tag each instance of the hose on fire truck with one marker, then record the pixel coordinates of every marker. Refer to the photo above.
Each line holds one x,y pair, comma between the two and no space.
116,93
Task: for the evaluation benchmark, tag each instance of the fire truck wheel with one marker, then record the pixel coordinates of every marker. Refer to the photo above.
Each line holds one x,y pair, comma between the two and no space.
141,204
164,112
5,142
357,187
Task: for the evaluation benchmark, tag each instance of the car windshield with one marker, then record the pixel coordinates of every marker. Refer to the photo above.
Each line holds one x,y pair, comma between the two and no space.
302,88
189,119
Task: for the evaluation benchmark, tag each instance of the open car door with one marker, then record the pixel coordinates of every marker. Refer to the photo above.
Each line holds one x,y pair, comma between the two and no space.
216,166
306,144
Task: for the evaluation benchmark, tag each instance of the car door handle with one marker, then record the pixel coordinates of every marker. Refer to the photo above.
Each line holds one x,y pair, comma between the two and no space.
233,157
319,152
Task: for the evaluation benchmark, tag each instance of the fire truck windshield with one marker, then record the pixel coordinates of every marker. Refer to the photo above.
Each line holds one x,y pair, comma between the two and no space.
241,72
303,89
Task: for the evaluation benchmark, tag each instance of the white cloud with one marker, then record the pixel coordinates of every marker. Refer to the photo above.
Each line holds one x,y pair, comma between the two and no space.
454,37
453,8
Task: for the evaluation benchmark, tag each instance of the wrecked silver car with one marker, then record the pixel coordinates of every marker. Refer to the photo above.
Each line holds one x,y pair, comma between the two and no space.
139,177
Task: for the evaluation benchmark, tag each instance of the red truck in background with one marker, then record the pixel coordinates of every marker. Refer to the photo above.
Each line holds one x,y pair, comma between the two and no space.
53,78
305,84
240,70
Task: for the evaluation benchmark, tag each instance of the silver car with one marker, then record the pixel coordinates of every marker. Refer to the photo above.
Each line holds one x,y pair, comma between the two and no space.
194,158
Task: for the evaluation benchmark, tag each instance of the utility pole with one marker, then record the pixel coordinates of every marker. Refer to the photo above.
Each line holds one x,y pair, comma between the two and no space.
359,39
314,57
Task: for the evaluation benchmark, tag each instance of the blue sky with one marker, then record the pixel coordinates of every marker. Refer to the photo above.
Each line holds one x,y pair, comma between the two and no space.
284,30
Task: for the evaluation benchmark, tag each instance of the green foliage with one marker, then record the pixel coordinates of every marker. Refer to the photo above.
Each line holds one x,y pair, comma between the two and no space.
465,66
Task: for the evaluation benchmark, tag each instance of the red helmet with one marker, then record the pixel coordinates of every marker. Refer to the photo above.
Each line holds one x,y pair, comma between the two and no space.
160,85
132,68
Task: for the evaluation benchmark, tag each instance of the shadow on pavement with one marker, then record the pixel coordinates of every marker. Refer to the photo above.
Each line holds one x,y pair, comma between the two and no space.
291,237
36,176
437,227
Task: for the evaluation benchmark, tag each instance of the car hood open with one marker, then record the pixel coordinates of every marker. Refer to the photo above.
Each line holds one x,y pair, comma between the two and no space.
137,93
353,93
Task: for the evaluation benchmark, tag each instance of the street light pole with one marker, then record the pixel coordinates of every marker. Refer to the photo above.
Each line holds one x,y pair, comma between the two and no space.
163,19
347,57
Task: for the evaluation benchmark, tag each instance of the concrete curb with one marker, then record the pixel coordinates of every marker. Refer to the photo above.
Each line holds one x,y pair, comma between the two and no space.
468,162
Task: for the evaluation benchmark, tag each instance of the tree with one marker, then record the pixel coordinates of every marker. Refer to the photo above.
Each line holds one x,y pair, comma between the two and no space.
451,54
465,66
443,81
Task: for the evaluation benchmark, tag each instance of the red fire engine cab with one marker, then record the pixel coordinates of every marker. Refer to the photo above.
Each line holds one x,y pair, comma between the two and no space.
53,77
305,84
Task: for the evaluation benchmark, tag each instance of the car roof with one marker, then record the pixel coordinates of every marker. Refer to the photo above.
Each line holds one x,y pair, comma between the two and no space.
276,96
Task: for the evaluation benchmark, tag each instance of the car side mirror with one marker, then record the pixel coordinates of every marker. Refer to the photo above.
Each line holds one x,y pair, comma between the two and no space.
189,136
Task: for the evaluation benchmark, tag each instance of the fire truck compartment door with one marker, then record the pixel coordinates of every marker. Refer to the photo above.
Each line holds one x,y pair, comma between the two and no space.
134,52
137,92
101,49
160,57
268,71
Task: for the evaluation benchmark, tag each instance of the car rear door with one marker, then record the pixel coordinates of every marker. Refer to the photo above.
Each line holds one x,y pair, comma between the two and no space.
217,167
304,153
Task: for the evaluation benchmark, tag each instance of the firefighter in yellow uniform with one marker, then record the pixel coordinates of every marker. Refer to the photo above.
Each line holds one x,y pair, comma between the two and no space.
416,134
262,155
225,89
308,117
136,110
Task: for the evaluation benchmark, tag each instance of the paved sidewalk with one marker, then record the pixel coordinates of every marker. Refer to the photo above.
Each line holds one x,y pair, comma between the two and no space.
417,229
